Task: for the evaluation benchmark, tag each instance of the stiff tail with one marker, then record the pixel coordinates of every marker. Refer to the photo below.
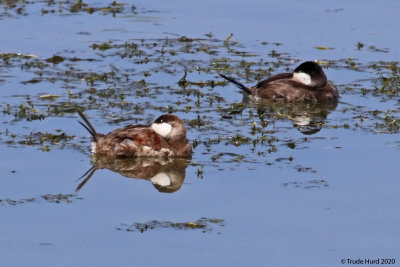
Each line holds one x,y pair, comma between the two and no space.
88,126
238,84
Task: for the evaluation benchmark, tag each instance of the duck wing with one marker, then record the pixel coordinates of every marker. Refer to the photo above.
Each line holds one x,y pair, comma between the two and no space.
277,77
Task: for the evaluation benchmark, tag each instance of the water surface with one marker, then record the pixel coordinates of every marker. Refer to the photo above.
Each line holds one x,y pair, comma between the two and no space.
261,187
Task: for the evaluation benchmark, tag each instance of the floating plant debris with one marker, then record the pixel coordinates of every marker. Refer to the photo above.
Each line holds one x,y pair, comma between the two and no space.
23,8
51,198
202,224
313,184
323,48
128,81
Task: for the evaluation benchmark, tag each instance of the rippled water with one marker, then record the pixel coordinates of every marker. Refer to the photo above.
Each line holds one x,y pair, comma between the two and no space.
268,184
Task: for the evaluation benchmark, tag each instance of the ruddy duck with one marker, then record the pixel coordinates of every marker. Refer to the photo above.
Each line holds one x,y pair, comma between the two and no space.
307,82
166,137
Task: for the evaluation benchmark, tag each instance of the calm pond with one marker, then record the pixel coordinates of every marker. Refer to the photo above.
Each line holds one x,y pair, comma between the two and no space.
268,185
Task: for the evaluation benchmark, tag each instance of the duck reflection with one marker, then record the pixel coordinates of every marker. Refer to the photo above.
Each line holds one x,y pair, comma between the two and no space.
308,118
166,175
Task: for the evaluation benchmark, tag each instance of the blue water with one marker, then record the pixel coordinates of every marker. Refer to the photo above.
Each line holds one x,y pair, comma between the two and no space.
332,197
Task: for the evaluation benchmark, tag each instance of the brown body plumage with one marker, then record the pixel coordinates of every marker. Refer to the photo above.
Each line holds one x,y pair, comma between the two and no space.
166,137
308,82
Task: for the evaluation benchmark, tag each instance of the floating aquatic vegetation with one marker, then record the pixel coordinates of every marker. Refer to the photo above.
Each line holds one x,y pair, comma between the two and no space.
323,48
55,59
45,141
313,184
59,198
200,172
51,198
239,140
13,8
372,48
128,81
202,224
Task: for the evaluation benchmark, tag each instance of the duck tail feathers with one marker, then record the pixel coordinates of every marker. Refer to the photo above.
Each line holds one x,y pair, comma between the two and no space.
238,84
87,125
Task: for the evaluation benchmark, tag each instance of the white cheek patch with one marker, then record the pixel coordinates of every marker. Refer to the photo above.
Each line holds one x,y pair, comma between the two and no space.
161,179
162,129
94,147
302,77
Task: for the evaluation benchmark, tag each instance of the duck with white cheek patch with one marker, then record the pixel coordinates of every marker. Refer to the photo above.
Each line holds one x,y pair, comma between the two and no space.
308,82
166,137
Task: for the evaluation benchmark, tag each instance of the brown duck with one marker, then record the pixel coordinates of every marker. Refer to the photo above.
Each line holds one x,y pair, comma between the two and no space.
307,82
166,137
